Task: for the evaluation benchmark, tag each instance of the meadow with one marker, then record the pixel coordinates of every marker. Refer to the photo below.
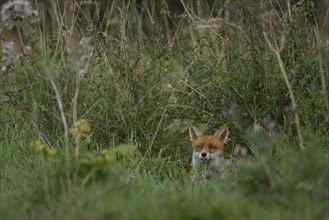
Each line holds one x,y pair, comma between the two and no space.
95,113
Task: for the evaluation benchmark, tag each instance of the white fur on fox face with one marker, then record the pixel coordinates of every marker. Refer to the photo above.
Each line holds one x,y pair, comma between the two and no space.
200,157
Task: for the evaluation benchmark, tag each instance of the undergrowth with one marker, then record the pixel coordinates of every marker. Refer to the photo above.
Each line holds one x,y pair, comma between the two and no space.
94,121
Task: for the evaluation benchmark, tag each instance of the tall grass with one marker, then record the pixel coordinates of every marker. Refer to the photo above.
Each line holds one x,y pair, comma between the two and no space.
95,113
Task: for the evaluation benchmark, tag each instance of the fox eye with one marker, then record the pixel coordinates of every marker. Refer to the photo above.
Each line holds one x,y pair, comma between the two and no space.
198,147
212,148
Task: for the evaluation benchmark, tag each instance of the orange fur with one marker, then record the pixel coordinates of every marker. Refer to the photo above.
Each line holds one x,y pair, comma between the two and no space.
209,149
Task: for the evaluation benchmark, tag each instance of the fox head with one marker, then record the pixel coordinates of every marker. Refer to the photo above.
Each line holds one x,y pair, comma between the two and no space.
207,147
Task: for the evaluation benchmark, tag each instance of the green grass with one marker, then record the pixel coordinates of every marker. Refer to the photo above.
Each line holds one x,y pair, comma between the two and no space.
141,92
271,185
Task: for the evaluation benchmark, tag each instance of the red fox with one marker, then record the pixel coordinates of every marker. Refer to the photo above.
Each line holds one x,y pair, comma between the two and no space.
208,150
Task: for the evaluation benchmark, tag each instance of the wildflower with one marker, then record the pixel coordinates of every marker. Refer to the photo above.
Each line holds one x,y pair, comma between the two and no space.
8,55
27,49
240,151
16,12
19,14
74,131
289,109
269,126
81,128
37,146
82,56
51,152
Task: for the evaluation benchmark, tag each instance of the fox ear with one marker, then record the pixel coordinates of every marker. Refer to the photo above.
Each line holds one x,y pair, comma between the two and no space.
222,133
194,132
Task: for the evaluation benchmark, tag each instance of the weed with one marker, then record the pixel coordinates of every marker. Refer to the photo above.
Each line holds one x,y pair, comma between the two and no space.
95,112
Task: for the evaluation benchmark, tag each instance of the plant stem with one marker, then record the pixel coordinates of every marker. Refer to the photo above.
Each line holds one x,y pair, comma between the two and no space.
321,70
61,109
276,52
75,114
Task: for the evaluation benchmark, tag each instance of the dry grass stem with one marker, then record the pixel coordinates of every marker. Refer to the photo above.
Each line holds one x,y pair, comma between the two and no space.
276,52
321,70
61,109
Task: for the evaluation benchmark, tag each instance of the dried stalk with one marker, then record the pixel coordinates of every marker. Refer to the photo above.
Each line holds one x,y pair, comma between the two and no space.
276,52
165,11
75,114
83,53
321,70
61,109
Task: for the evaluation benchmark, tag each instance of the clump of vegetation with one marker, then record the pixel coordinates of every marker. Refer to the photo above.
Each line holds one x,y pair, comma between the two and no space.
96,98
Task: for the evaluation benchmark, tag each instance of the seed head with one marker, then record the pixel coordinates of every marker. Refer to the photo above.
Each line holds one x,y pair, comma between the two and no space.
16,12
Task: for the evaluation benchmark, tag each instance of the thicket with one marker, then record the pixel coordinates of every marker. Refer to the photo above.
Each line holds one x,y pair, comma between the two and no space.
95,110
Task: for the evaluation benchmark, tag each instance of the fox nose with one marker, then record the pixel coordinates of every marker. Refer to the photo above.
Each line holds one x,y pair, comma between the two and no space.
203,154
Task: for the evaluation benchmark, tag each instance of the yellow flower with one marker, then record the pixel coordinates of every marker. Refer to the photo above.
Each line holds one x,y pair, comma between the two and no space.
81,129
51,152
74,131
83,126
37,146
